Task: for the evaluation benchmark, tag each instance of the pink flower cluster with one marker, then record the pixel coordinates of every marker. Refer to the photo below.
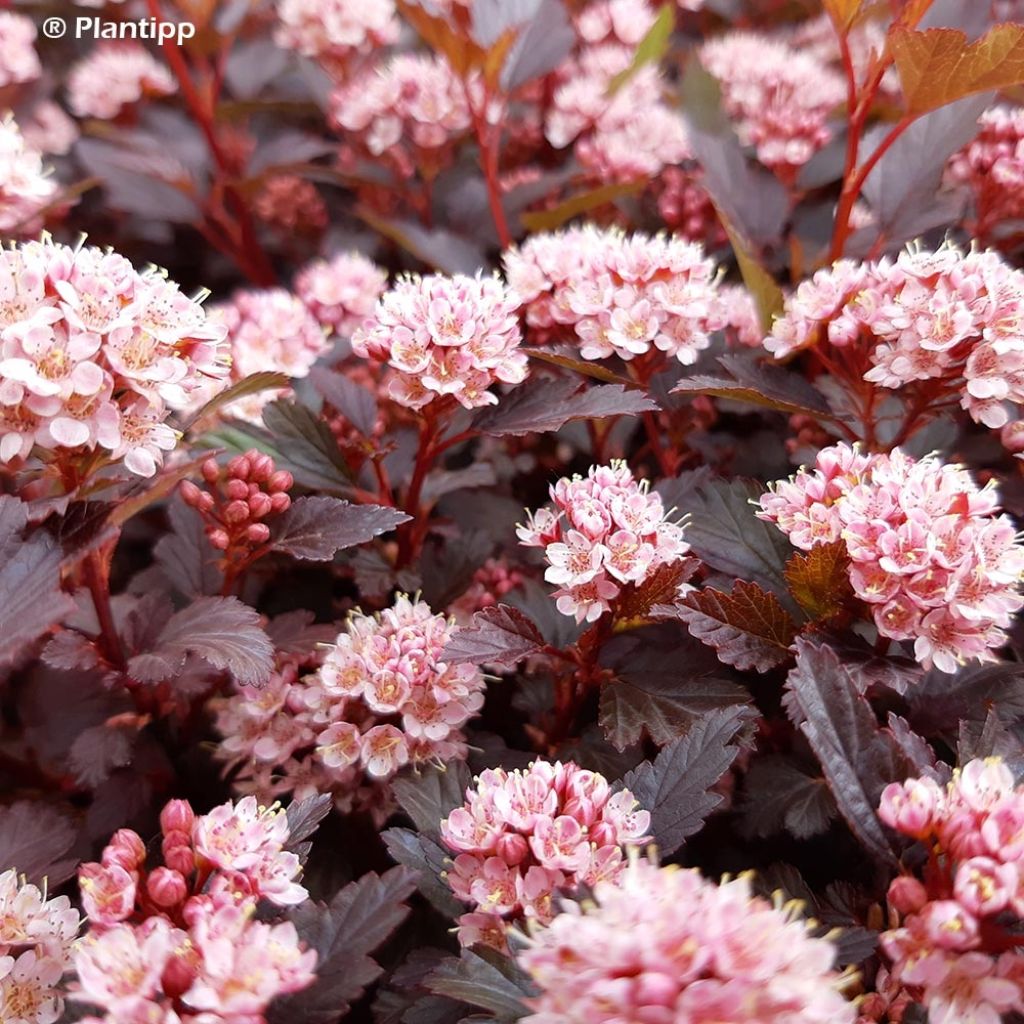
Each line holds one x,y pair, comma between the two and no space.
19,61
25,188
47,129
666,946
685,206
291,205
36,937
630,134
180,943
491,582
780,97
445,336
384,697
115,76
991,168
93,353
955,949
409,110
623,295
945,319
606,531
268,330
333,31
928,552
524,837
341,292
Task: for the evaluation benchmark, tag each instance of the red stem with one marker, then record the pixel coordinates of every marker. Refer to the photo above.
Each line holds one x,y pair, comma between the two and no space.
97,578
488,138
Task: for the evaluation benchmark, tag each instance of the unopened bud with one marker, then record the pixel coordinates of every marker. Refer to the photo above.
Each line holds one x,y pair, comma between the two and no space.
280,502
257,533
238,490
236,512
125,848
190,494
259,504
166,887
177,816
282,480
219,539
211,471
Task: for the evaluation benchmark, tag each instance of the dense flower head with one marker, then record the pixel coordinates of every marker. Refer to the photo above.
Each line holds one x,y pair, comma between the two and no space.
36,938
342,291
952,949
524,837
19,61
25,187
490,583
623,21
445,336
268,329
780,97
686,207
383,698
667,946
409,109
180,941
47,129
291,204
991,168
947,319
115,76
335,30
928,551
631,134
95,354
624,295
606,531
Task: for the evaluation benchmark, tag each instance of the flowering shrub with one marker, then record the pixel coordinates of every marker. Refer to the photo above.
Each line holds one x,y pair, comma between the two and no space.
299,724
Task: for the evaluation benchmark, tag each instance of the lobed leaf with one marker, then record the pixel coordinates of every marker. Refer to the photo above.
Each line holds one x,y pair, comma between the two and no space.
659,588
677,787
221,631
430,794
429,859
748,628
315,528
355,402
37,839
306,446
500,635
819,580
779,795
485,979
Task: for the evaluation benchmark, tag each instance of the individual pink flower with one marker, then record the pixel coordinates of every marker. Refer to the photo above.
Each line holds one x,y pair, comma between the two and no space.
114,76
341,292
928,553
606,531
666,945
622,295
780,97
19,61
523,837
951,949
445,336
25,188
333,31
47,129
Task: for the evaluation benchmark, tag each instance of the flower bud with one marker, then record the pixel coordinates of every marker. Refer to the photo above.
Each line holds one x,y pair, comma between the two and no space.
257,533
280,502
262,467
166,887
259,505
177,816
237,489
907,895
211,471
282,480
190,494
512,848
205,502
219,539
125,848
239,467
236,512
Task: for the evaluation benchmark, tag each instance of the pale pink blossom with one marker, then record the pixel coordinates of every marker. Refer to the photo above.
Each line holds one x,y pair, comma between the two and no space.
25,187
114,76
928,553
19,61
668,946
341,292
334,31
523,837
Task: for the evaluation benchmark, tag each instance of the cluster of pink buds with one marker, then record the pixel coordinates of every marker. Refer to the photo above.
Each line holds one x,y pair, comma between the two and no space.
291,205
627,134
335,31
409,111
95,355
928,552
991,168
667,946
780,97
181,942
268,330
525,837
113,77
956,947
383,698
934,325
686,208
36,939
491,582
19,61
341,292
248,490
445,336
606,531
25,187
632,296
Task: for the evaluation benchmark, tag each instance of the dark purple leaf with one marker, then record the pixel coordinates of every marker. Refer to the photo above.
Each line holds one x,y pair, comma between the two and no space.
429,794
100,749
540,47
429,860
545,405
447,569
677,787
221,631
355,402
501,635
185,555
36,839
296,633
779,795
307,447
858,758
344,933
485,979
316,528
304,817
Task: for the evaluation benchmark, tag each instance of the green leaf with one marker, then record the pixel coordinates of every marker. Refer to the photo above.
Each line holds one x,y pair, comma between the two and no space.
582,202
251,385
650,49
764,289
